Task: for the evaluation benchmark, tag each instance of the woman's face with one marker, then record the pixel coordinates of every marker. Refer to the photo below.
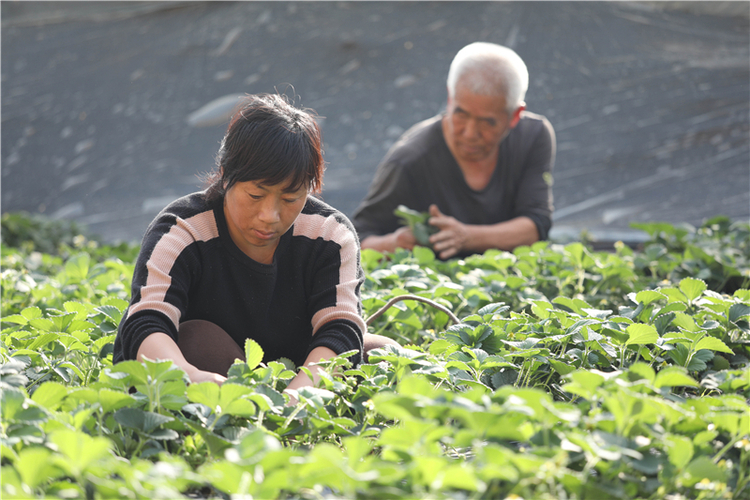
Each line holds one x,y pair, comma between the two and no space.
259,214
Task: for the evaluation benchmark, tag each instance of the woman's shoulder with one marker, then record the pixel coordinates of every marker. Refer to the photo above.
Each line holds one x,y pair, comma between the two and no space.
187,206
320,220
188,218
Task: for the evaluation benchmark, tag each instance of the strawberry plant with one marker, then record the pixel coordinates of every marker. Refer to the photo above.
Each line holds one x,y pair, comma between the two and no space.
553,371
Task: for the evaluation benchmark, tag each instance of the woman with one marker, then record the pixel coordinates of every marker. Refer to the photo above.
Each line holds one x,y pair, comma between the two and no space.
253,256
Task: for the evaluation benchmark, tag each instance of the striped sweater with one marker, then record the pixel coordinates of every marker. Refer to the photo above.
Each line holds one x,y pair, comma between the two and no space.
189,268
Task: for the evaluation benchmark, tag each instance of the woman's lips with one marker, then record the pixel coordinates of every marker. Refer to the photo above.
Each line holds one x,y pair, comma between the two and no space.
263,235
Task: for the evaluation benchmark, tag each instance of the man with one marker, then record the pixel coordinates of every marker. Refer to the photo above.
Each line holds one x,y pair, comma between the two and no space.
482,169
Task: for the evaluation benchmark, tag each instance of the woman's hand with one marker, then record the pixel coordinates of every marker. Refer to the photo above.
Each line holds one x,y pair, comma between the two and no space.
302,379
161,346
197,376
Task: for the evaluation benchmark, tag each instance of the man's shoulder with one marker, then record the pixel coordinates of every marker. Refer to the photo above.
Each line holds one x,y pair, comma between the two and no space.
419,140
533,122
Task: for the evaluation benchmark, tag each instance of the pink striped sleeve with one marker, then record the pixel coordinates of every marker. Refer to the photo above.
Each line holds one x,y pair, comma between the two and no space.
347,300
201,227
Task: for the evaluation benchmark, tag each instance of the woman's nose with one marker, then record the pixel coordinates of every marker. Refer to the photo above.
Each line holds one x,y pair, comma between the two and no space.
270,212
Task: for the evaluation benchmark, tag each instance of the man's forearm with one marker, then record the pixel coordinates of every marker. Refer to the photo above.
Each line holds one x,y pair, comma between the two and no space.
401,238
503,235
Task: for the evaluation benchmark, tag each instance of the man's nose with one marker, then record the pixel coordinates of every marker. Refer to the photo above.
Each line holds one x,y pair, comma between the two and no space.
470,129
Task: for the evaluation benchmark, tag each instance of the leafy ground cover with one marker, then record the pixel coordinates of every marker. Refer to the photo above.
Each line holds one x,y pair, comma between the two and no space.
560,373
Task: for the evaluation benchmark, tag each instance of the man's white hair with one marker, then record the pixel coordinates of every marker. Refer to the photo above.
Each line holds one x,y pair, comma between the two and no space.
491,70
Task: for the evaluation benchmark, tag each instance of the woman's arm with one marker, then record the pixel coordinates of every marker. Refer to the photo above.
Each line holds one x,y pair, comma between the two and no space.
161,346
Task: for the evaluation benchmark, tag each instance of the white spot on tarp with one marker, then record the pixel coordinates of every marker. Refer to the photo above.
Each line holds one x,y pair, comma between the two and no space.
613,214
229,39
66,132
265,17
77,162
215,112
136,74
84,145
512,37
612,108
68,211
404,81
349,67
252,79
12,158
73,180
442,23
222,76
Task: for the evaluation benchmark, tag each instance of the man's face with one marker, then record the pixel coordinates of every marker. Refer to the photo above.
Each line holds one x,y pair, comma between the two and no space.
475,125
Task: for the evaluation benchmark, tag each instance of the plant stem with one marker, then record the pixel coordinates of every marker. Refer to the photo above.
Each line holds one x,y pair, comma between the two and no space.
434,304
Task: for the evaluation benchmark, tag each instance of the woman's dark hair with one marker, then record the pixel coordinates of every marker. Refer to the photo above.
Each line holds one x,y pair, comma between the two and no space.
269,139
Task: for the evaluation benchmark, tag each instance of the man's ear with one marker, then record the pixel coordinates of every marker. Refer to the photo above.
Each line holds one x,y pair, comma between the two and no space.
517,116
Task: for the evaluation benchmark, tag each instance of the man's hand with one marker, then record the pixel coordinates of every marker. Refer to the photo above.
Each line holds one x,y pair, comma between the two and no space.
452,235
404,238
400,238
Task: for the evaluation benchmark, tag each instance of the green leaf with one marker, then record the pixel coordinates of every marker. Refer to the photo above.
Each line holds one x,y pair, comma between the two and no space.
616,335
541,309
424,255
703,468
232,402
34,467
112,312
560,367
643,371
737,311
648,296
641,334
713,344
692,288
144,421
31,313
206,393
253,353
494,308
79,449
662,322
49,395
16,319
43,340
674,376
77,267
685,321
114,400
12,402
80,310
679,450
73,368
42,324
133,368
584,382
